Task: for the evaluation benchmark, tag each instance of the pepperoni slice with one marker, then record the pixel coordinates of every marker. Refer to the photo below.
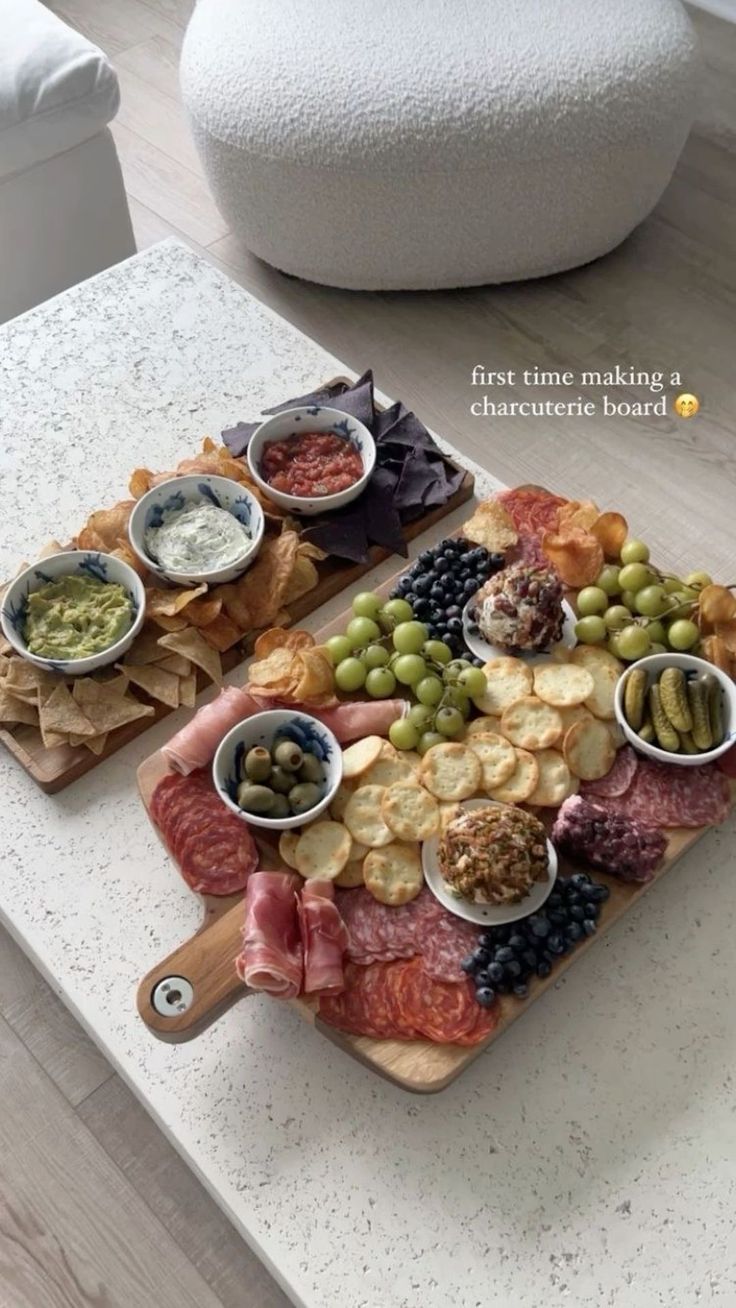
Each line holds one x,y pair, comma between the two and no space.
444,1011
214,849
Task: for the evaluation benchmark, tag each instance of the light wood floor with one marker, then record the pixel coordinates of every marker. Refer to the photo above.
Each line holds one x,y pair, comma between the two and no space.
95,1207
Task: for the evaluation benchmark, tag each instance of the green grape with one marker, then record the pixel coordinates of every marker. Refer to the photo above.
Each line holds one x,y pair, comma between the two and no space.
338,648
628,600
634,576
361,631
672,584
366,605
607,579
422,715
456,697
473,682
428,739
682,602
633,643
380,683
375,656
409,637
616,617
454,668
657,633
698,580
612,645
682,634
591,599
403,734
409,669
350,674
652,601
437,650
429,690
634,551
657,647
449,721
591,630
396,610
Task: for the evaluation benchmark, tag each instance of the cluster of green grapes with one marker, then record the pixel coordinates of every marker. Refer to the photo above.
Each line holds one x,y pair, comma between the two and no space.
635,610
384,647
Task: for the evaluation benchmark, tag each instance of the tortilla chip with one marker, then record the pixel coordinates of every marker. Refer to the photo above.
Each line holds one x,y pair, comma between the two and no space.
23,679
168,603
577,556
156,682
235,606
611,529
59,712
119,684
222,634
140,482
105,529
201,612
188,690
106,708
278,638
17,710
174,623
145,648
175,663
95,744
491,526
192,645
304,577
577,513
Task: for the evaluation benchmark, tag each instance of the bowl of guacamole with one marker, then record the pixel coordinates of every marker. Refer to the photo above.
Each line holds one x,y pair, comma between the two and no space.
74,612
197,528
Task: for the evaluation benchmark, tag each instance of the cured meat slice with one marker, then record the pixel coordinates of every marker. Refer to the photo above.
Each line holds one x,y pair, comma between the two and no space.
618,778
668,795
442,1011
365,1006
448,942
272,958
324,938
612,842
353,721
214,849
400,1001
532,510
423,926
727,762
195,745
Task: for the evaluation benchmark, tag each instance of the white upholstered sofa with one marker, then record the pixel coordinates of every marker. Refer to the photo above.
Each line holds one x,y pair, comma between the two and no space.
63,211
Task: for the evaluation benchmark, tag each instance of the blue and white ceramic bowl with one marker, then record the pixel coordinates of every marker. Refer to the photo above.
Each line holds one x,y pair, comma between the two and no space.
314,418
72,563
172,496
262,729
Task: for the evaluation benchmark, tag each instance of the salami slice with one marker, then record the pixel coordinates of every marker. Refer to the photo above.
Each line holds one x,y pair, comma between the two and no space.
617,780
666,795
727,763
214,850
423,926
443,1011
365,1007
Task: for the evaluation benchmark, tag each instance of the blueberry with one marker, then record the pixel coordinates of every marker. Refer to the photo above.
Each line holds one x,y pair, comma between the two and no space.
455,626
539,925
482,977
577,912
516,941
454,611
589,927
485,996
496,971
591,910
479,663
485,940
574,932
422,608
468,964
422,585
544,968
442,565
512,969
426,558
579,879
497,560
529,958
470,586
504,954
480,957
601,893
557,916
555,943
554,900
521,990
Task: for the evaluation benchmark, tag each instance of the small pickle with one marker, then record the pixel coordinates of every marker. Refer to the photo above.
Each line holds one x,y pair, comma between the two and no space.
255,799
687,744
646,732
715,712
258,764
280,780
311,769
673,698
667,737
635,697
288,755
280,807
698,699
303,796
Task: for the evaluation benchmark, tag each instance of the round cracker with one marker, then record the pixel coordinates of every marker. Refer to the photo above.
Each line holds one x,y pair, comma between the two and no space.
554,779
358,758
410,811
497,758
563,684
479,726
605,670
531,724
288,841
322,850
358,851
451,771
351,875
340,801
523,780
576,713
394,875
387,771
507,679
363,817
589,750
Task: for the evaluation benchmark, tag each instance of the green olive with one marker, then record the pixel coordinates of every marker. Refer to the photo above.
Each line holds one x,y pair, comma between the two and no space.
280,780
280,807
255,799
311,769
303,797
288,755
258,764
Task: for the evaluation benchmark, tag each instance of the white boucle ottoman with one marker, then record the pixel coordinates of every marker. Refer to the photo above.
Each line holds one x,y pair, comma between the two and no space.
407,144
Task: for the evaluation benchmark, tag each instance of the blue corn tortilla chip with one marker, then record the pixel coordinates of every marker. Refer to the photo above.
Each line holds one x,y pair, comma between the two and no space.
236,438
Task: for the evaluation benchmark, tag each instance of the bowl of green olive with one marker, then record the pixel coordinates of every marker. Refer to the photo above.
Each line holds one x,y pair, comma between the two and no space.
278,769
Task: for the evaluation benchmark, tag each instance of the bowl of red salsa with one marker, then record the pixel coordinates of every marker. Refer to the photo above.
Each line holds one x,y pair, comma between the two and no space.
311,460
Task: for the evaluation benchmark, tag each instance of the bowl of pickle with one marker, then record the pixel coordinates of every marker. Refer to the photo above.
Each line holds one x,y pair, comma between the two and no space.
278,769
677,708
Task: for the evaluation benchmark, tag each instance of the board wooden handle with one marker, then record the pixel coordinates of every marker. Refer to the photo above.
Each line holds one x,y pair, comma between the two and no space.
206,963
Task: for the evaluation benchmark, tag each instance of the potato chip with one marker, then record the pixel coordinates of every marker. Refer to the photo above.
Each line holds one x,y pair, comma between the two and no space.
156,682
307,549
577,513
276,670
288,841
201,612
60,712
726,633
106,709
193,646
51,547
715,604
140,482
279,638
611,530
316,684
188,690
167,603
105,529
222,634
126,554
304,577
576,555
261,591
716,651
491,526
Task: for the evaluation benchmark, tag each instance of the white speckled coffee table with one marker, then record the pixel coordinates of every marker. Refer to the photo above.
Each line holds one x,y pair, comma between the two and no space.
586,1159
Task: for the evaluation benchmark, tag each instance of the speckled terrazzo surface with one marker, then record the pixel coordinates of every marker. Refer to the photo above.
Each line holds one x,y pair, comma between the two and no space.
588,1159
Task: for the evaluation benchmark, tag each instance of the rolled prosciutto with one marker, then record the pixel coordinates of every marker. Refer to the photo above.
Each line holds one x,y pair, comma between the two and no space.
272,957
324,939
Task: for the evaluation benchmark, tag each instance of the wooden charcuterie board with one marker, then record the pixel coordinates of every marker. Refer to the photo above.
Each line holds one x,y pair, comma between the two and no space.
206,961
55,768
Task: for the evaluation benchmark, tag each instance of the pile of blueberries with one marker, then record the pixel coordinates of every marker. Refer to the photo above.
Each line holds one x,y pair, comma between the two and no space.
507,956
440,583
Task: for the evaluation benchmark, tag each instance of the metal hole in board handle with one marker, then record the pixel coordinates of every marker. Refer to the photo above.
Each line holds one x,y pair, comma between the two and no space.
172,996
